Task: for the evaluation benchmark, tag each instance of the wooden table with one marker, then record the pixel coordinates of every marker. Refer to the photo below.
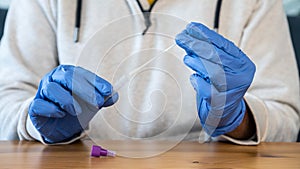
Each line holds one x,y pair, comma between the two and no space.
185,155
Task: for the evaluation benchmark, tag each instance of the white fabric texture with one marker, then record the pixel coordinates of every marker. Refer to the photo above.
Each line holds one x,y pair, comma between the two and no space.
39,36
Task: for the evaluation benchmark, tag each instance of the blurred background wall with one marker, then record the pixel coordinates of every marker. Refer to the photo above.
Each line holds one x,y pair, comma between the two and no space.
4,4
292,8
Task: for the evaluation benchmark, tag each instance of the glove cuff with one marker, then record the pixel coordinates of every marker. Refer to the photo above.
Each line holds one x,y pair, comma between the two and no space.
230,127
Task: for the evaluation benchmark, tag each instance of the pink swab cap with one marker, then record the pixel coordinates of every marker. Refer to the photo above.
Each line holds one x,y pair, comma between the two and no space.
97,151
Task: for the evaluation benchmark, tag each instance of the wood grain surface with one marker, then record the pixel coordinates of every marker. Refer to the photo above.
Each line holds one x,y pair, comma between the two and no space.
24,154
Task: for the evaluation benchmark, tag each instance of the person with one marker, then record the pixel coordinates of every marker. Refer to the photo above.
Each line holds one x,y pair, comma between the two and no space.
244,75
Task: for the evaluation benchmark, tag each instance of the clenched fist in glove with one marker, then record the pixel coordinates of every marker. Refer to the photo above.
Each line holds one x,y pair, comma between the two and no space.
67,99
222,76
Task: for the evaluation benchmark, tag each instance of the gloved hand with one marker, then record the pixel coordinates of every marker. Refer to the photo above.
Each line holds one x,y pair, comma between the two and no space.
223,75
67,99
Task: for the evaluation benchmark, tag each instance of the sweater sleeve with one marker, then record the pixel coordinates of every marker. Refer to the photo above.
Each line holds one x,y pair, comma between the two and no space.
273,97
28,51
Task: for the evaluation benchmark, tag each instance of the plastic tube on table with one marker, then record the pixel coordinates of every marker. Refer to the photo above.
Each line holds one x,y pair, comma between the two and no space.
98,151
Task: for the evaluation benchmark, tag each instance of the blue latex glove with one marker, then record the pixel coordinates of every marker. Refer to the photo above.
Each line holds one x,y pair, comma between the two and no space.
67,99
223,75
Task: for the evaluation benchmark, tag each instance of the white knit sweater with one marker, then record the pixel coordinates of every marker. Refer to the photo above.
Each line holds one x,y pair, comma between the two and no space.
160,102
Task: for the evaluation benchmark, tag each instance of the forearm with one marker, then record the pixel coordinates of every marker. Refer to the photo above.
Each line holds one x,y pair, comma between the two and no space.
268,120
23,62
246,129
12,126
273,97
